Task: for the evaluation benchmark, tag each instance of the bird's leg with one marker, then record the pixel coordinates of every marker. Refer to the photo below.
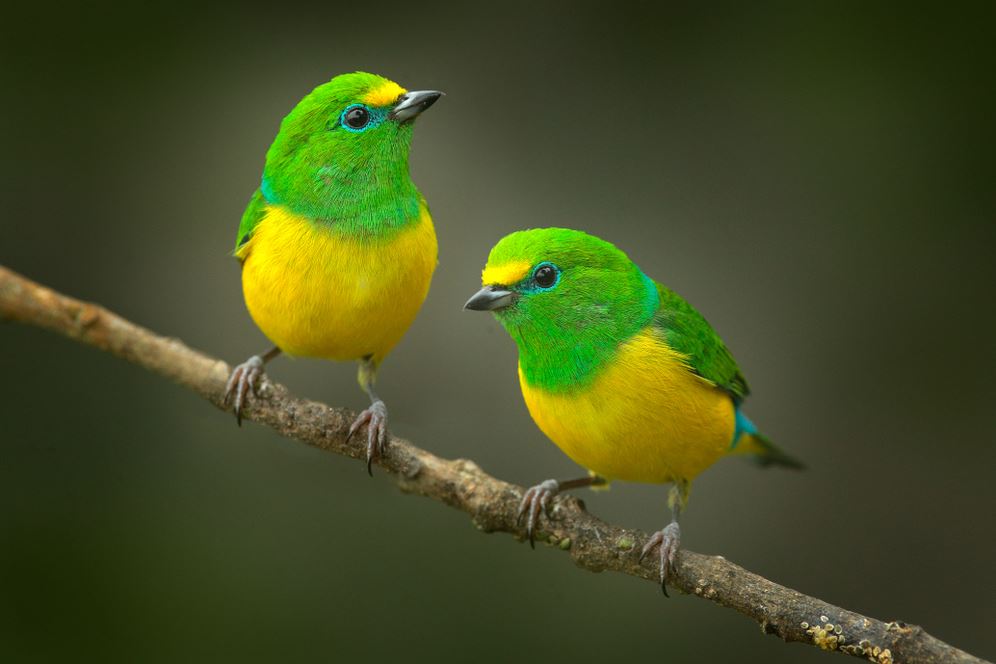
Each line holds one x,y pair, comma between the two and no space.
375,417
244,379
669,539
537,499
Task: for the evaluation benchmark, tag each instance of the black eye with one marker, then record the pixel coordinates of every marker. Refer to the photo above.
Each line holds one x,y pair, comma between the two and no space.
545,276
356,117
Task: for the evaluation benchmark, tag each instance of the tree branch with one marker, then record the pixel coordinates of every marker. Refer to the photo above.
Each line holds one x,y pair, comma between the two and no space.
492,503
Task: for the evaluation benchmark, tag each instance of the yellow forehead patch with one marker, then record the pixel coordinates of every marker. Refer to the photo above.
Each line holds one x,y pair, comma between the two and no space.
505,275
384,95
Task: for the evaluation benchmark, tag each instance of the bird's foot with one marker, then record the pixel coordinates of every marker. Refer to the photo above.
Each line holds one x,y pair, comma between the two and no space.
534,500
668,540
242,382
375,417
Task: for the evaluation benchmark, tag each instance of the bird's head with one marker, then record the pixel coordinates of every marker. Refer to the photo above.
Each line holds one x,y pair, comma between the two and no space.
560,286
346,141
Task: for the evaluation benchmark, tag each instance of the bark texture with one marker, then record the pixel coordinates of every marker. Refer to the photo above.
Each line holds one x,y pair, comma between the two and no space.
492,503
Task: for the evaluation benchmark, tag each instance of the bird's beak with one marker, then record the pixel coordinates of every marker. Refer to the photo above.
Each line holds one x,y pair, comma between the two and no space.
490,298
411,104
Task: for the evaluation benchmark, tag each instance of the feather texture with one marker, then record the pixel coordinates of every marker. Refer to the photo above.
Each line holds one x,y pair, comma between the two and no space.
624,375
337,245
318,292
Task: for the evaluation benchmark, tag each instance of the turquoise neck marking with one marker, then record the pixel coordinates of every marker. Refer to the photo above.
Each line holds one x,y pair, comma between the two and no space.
267,191
651,297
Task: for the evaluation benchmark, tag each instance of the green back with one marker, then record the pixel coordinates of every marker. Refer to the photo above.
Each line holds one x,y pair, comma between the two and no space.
254,212
354,182
566,334
688,332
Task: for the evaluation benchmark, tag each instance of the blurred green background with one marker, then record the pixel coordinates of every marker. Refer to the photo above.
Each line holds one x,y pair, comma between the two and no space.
817,180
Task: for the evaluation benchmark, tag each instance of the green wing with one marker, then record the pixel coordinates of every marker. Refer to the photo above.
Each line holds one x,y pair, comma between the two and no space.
687,332
254,212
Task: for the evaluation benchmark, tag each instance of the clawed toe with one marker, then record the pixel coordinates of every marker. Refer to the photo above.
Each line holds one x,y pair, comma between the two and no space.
534,500
243,380
668,539
375,417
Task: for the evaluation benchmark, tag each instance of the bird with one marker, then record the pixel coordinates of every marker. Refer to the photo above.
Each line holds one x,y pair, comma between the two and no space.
337,245
626,377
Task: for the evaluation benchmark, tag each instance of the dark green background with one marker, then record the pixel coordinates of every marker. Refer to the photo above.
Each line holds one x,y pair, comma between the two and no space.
818,181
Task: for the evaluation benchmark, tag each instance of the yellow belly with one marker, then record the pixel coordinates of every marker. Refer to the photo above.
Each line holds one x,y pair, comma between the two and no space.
316,293
646,418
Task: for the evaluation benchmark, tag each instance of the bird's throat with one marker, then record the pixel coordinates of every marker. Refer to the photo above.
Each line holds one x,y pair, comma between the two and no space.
375,202
559,362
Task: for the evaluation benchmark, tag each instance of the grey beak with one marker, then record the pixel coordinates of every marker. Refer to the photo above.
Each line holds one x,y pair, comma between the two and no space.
490,298
411,104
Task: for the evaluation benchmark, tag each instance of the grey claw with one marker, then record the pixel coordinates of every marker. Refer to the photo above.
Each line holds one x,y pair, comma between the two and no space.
535,500
243,380
669,540
355,426
236,372
375,417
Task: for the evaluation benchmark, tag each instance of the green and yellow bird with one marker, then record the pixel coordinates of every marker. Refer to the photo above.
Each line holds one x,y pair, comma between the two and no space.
337,246
621,373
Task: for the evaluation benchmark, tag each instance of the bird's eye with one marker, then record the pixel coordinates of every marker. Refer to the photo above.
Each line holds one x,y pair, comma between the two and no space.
545,275
355,117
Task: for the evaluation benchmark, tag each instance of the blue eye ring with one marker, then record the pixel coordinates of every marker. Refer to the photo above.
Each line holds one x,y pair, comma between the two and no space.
545,276
356,118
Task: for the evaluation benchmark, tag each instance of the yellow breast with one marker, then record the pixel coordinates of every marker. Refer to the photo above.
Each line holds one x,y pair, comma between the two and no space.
646,417
317,293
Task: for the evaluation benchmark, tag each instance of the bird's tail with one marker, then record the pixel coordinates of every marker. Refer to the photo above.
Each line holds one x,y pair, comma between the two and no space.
764,452
750,441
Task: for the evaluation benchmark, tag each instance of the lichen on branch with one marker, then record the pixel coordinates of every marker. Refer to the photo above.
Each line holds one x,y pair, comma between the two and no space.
491,503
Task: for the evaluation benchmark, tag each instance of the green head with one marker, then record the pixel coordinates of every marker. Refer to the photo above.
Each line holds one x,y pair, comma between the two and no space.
567,298
342,153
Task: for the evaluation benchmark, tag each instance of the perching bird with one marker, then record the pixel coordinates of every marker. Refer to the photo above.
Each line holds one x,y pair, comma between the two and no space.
337,246
621,373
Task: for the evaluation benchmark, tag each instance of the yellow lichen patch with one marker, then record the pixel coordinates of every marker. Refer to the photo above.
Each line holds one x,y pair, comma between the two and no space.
504,275
826,635
825,640
864,648
898,626
384,95
829,636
